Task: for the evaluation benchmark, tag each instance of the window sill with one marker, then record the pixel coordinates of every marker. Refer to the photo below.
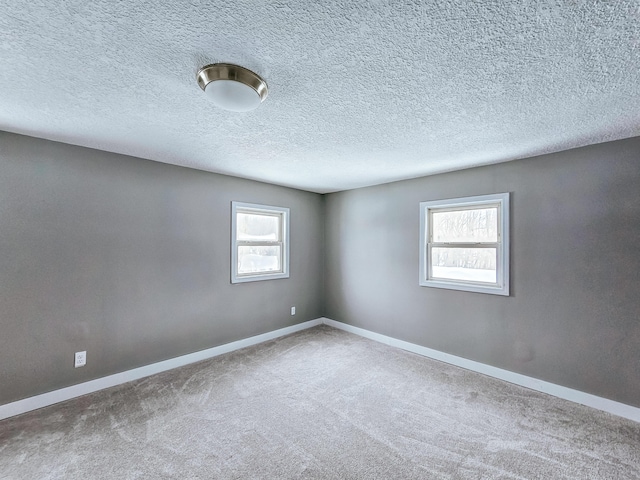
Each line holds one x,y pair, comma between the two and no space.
259,278
466,287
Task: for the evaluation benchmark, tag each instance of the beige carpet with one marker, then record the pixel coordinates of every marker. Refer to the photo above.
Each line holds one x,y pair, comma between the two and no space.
322,404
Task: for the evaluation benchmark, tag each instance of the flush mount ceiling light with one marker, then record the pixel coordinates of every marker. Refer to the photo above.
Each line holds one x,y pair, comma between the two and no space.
232,87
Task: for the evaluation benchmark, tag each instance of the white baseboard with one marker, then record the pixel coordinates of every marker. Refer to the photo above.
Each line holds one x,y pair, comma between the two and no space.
604,404
67,393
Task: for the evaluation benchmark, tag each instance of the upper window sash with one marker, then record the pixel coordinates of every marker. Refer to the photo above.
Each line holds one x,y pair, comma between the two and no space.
479,244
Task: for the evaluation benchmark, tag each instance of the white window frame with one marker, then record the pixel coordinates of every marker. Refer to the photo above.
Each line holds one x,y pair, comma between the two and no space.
501,200
283,213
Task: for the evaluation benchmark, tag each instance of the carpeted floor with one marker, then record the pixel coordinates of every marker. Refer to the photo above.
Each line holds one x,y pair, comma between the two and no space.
322,404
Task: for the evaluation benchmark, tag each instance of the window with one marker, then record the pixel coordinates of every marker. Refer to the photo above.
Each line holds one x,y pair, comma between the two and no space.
259,242
464,244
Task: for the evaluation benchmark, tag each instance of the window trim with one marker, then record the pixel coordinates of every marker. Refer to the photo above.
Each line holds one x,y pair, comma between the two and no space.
284,213
502,200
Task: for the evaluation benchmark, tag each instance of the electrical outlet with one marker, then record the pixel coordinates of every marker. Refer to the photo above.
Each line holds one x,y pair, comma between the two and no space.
293,310
80,359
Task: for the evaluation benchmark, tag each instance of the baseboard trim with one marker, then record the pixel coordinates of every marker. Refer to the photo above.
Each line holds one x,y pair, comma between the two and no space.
43,400
604,404
50,398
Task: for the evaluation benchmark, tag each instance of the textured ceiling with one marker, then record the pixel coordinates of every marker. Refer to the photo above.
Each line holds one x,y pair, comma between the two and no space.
361,92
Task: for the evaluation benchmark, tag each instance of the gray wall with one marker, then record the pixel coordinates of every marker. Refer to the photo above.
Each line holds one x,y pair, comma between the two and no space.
573,317
130,260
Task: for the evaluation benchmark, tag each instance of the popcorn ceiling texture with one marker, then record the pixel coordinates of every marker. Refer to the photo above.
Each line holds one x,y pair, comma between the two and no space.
360,92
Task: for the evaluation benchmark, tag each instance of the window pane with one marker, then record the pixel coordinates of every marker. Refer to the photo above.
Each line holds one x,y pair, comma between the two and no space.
477,225
467,264
252,259
253,227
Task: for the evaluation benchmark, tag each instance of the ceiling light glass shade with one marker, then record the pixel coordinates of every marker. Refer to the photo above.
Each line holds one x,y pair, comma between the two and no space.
232,95
232,87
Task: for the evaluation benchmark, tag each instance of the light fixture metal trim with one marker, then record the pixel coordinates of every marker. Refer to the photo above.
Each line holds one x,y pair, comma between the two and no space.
228,71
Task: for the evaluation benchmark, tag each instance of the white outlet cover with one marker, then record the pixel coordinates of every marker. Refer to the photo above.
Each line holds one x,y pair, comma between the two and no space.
293,310
80,359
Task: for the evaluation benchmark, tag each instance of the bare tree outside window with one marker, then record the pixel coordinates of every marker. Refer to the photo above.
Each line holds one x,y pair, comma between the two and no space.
465,226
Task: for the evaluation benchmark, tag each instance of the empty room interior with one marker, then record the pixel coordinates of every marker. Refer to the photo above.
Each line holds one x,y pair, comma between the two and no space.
320,240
